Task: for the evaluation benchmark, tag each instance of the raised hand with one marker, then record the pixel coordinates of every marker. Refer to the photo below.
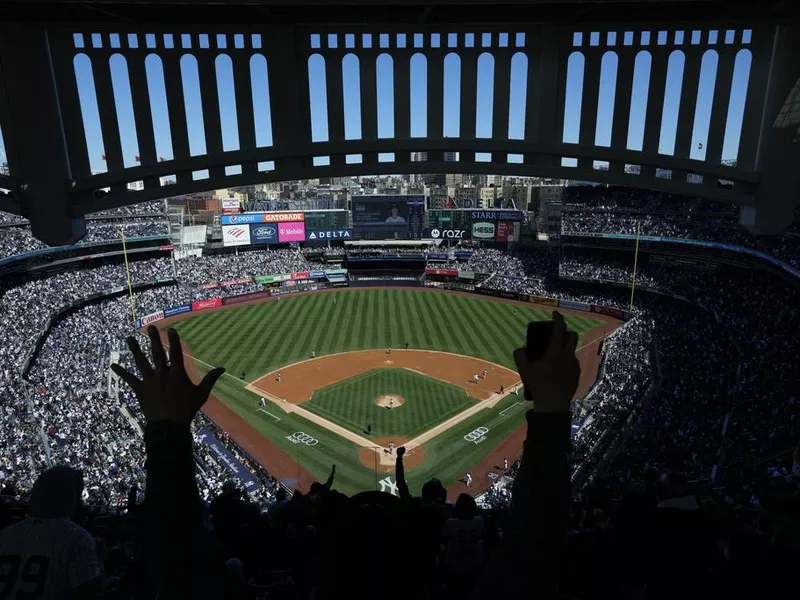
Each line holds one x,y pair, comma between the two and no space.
553,379
165,392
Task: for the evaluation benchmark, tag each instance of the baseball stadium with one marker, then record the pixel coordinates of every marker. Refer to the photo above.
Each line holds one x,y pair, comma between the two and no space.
316,300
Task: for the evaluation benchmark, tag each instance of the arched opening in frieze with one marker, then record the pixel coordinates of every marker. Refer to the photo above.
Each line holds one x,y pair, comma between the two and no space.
573,98
226,96
351,96
704,105
736,105
318,98
159,109
262,106
384,82
193,105
418,79
484,106
123,103
606,98
451,119
639,95
517,96
87,98
672,102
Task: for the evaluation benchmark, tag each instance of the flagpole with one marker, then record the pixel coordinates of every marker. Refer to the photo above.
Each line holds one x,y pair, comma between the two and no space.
128,272
635,264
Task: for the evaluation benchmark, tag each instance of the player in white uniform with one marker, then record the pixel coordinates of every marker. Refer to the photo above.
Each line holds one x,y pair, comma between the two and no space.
469,479
263,403
48,555
313,354
391,447
475,378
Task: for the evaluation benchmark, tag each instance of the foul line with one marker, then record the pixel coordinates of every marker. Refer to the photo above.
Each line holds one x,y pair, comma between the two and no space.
269,413
502,412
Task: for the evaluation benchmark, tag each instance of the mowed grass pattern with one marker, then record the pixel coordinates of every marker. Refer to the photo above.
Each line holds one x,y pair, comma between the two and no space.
351,403
263,337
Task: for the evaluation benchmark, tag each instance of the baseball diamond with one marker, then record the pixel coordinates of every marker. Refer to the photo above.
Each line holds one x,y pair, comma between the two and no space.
330,399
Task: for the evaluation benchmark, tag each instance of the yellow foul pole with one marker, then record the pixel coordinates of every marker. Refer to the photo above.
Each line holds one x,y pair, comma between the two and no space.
635,264
128,272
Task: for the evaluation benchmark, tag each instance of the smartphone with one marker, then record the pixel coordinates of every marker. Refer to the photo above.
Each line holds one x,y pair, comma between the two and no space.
536,342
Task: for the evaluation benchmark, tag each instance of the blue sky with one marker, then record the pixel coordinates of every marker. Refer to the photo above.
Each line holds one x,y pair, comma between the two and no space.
227,90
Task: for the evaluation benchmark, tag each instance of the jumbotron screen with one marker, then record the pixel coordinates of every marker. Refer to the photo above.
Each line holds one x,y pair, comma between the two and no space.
381,217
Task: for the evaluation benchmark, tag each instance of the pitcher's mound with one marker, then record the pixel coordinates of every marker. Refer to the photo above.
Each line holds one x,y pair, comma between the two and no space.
389,401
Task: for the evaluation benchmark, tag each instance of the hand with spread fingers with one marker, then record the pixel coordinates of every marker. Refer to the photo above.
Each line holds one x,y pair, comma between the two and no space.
165,392
553,379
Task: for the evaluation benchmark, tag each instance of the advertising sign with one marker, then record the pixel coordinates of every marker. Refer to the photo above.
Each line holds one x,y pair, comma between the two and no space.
209,286
246,297
607,310
466,274
324,234
504,232
264,234
204,304
152,318
241,219
446,234
272,279
573,305
446,272
177,310
336,271
543,300
292,232
483,230
300,276
237,281
235,235
497,215
230,205
226,457
166,248
283,217
316,274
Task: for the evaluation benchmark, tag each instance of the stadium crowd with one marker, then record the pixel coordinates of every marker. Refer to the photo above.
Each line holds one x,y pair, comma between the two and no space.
702,380
619,210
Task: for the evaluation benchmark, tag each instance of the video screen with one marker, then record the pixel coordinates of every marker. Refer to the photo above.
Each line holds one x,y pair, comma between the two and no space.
388,216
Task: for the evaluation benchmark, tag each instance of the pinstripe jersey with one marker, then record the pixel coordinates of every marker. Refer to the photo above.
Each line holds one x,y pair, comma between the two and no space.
44,558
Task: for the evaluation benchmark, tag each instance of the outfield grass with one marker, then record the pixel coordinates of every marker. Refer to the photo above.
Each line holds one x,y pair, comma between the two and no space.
351,403
263,337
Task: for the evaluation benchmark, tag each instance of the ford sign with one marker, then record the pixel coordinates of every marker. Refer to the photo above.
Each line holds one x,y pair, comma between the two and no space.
483,230
264,234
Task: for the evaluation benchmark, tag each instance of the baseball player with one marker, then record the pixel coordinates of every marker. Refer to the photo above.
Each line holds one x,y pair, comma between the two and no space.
468,478
263,402
244,374
475,379
313,354
391,447
505,464
485,373
279,378
391,403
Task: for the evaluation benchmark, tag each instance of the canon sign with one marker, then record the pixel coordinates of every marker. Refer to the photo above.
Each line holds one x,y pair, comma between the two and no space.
483,231
152,318
448,234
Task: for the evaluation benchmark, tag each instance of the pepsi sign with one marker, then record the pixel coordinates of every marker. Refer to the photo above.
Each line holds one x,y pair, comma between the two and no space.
241,219
266,233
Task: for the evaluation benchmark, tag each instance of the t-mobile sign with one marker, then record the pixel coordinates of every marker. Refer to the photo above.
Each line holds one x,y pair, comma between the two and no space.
292,232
